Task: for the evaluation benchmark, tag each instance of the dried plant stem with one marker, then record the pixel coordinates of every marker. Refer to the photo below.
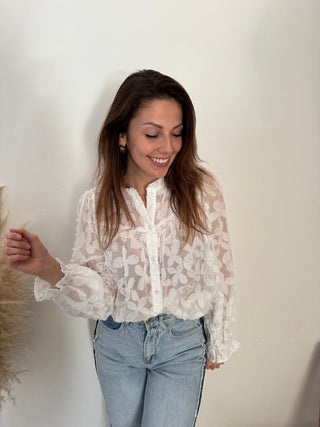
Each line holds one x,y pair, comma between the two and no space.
15,299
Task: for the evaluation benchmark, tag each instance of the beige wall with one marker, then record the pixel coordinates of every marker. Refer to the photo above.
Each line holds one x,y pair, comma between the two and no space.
252,68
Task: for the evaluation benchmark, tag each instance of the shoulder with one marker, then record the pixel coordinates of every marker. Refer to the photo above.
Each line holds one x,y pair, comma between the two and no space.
213,200
87,200
211,189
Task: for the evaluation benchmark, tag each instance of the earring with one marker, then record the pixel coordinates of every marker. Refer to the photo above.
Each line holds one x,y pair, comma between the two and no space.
123,149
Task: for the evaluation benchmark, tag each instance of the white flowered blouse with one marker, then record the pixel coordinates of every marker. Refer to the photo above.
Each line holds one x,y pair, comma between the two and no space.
146,271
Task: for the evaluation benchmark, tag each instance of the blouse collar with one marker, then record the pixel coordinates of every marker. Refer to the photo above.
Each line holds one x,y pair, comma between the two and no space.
157,186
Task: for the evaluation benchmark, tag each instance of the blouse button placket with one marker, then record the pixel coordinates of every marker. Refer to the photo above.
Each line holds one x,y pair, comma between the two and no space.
148,217
152,250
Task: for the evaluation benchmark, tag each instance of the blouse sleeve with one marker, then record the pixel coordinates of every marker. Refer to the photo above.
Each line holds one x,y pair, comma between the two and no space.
86,289
219,320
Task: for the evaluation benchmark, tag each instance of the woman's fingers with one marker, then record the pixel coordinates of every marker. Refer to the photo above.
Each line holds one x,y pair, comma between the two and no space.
24,234
17,246
16,251
13,236
25,251
17,261
213,365
16,243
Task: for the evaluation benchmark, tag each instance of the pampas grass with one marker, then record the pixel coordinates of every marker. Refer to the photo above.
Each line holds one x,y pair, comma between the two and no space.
15,298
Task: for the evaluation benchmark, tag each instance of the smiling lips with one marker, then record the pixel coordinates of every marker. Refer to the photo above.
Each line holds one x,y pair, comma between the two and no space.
158,161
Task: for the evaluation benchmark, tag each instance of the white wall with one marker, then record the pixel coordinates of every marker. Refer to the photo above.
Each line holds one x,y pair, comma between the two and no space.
252,68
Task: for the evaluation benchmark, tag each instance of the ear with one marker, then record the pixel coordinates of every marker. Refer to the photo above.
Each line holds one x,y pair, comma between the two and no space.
122,139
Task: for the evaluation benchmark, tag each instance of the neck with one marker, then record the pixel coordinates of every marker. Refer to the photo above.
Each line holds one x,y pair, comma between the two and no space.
140,186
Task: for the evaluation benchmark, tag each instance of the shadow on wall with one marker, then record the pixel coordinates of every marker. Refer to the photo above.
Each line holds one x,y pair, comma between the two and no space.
308,402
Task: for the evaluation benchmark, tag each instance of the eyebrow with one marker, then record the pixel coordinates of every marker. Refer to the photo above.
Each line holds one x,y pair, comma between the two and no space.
159,126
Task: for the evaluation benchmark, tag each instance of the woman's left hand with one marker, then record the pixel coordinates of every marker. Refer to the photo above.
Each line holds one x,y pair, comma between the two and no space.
212,365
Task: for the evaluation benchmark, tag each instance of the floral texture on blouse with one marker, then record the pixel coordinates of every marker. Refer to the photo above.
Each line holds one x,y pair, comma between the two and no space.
146,270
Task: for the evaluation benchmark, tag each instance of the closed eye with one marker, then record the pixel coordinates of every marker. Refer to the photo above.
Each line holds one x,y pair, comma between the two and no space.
175,135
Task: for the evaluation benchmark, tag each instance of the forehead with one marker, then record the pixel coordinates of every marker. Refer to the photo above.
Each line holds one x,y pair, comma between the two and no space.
162,110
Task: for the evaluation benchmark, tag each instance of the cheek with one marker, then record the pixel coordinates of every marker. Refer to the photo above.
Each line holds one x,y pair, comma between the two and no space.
178,146
137,149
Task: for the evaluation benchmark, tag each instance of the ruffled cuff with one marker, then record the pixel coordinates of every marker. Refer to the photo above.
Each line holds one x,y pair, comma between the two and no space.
220,353
44,290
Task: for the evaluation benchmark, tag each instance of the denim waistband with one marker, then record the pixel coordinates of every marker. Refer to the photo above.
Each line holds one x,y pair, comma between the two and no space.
162,320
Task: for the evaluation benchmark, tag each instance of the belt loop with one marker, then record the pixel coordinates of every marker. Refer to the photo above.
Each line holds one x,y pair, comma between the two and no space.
161,322
166,320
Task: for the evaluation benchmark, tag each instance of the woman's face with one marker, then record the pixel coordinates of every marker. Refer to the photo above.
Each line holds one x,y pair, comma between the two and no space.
153,140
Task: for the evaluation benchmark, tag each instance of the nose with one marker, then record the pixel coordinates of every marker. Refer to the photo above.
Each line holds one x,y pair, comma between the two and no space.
166,146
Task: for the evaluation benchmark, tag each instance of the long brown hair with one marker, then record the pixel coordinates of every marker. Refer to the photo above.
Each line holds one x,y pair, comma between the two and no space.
185,176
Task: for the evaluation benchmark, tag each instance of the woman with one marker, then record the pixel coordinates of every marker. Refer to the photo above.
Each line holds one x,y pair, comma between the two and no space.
151,260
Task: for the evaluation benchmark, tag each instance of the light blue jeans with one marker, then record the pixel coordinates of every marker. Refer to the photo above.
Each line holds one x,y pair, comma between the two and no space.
151,372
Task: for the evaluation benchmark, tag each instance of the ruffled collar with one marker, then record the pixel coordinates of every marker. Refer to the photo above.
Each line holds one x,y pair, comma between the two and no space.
157,186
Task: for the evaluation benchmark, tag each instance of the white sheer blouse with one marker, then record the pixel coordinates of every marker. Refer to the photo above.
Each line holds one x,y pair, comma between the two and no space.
146,271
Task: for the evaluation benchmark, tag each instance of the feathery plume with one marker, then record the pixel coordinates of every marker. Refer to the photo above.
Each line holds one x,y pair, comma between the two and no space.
15,316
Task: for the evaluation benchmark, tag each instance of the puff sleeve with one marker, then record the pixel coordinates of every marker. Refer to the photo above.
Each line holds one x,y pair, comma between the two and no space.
218,322
86,289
